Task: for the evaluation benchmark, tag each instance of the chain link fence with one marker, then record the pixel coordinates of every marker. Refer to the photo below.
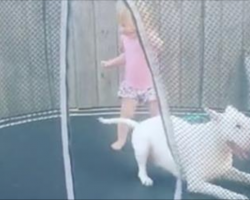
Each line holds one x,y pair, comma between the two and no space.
198,53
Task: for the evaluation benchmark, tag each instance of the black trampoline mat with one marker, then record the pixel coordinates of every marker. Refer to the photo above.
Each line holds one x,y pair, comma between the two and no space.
101,173
31,162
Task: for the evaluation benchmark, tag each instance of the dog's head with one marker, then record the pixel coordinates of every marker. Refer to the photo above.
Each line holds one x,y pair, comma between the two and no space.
234,128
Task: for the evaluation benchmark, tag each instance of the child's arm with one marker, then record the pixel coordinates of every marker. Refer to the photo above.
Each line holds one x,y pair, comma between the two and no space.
118,61
155,40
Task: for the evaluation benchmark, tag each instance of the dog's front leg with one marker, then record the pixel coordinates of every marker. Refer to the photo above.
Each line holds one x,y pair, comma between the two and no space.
141,155
206,188
236,175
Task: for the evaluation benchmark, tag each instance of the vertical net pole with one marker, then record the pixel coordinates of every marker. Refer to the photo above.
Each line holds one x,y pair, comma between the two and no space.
63,103
160,91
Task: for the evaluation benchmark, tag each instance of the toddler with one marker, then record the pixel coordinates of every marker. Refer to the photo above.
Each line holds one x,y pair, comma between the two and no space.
137,85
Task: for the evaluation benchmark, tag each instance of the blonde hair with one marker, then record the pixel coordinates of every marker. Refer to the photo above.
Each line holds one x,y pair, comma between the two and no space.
125,20
124,17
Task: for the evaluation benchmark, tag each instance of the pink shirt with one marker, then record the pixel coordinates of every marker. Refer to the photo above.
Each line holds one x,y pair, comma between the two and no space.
137,73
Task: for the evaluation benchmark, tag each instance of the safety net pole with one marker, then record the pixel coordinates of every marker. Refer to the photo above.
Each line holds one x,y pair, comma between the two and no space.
160,91
63,102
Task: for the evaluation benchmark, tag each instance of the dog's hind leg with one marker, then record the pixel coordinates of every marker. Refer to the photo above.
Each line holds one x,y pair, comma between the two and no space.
206,188
141,155
236,175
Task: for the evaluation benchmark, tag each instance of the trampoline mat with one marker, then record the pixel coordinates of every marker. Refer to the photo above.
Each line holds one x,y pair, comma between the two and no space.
101,173
31,162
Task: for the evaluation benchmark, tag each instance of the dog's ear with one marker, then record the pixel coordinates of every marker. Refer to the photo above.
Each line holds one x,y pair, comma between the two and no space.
213,114
231,110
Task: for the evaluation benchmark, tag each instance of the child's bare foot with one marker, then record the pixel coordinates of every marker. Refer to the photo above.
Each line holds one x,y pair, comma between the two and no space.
118,145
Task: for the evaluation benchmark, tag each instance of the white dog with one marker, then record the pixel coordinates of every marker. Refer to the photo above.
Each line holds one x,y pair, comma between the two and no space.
205,149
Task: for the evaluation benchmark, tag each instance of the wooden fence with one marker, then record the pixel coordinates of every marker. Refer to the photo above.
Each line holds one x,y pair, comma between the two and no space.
205,55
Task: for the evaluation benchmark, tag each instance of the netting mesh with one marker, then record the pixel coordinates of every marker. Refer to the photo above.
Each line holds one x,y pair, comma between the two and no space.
203,41
198,52
29,56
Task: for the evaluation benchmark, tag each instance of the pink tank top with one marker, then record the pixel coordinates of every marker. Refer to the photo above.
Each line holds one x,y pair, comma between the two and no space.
137,73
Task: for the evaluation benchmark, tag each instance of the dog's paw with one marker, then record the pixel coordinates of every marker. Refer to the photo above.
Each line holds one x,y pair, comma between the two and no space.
145,180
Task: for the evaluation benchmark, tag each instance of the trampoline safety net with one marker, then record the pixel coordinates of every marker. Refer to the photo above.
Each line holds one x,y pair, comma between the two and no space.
29,57
33,94
198,55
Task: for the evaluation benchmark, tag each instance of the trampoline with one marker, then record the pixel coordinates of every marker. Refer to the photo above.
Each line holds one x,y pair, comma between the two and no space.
101,173
31,161
50,151
34,153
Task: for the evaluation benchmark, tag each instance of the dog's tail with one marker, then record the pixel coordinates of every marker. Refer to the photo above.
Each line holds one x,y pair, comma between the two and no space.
129,122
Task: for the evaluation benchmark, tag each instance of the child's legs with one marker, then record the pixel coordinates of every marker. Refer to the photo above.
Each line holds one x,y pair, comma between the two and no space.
153,108
150,97
128,109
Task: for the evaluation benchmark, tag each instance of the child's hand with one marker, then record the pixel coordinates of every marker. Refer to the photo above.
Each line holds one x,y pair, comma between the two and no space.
105,64
156,40
117,61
